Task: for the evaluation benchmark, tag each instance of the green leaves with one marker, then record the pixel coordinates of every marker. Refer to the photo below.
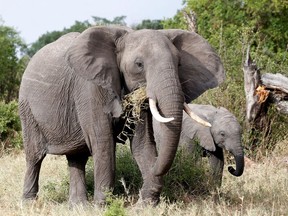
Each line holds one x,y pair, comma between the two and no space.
78,26
10,126
11,62
149,24
230,26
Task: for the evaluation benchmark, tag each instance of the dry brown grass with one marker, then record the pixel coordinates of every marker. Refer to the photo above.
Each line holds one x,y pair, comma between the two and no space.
262,190
132,104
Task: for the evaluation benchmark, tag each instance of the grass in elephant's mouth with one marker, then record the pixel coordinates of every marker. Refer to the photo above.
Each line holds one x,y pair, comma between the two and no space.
132,104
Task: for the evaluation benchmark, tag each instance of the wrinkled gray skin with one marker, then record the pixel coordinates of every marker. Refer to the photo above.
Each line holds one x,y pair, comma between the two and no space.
225,133
70,96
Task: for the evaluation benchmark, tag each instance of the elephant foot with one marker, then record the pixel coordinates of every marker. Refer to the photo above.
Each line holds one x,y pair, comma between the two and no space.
99,199
148,198
30,196
29,200
77,195
150,192
79,201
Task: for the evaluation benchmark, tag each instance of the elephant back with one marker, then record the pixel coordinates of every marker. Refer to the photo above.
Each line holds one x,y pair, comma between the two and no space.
46,66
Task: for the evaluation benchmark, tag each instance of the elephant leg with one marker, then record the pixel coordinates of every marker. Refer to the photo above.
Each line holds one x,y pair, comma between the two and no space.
34,145
100,141
104,170
31,185
216,161
144,151
77,188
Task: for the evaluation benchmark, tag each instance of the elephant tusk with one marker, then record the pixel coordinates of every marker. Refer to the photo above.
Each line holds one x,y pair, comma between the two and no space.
194,116
156,114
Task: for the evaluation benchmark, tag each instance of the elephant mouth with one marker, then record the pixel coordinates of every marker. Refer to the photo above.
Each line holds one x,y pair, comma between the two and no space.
137,101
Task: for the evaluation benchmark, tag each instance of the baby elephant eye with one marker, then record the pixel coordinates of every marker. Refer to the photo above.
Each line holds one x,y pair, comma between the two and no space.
139,64
222,133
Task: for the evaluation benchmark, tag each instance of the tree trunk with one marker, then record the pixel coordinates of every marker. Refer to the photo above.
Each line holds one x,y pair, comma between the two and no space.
277,84
256,103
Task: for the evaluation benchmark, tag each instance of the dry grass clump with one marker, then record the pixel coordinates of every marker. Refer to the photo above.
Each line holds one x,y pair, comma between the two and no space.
132,105
134,102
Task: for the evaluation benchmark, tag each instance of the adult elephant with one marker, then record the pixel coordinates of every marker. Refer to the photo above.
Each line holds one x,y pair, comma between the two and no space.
71,93
225,133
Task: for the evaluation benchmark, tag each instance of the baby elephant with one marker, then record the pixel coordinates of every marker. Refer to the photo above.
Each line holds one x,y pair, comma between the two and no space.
225,132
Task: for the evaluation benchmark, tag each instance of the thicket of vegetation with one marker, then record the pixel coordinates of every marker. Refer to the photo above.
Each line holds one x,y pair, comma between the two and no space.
11,66
230,26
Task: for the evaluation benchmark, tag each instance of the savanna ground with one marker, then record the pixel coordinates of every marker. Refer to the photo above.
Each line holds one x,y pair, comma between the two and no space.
261,190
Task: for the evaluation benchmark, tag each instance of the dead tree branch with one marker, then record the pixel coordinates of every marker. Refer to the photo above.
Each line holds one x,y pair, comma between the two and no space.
256,103
191,20
277,84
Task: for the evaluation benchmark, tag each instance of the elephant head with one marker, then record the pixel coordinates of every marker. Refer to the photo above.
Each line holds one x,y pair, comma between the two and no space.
225,132
175,66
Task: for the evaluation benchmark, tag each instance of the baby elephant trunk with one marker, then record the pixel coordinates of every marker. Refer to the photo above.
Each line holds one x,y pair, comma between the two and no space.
239,160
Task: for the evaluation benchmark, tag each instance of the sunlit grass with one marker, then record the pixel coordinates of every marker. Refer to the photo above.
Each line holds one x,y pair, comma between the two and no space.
262,190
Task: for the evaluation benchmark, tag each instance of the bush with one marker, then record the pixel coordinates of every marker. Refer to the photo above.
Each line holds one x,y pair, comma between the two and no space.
128,178
230,27
10,127
115,207
188,176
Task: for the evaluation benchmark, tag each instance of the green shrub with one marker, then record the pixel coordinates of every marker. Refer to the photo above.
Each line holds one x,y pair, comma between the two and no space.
128,178
10,127
128,175
115,206
230,27
55,192
187,177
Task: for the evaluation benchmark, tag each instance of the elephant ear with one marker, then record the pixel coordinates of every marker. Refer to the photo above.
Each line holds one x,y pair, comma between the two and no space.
92,56
193,129
205,138
200,67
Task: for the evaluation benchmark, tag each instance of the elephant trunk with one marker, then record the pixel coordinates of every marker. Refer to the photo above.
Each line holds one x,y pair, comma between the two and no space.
239,160
169,98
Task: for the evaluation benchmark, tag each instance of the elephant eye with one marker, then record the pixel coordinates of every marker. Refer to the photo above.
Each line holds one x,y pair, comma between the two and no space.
139,64
222,133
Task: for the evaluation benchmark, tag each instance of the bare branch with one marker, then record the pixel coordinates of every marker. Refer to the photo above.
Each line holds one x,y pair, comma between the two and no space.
191,20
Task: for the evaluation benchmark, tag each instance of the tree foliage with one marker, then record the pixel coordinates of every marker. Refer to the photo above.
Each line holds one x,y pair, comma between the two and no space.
264,18
49,37
78,26
118,20
10,127
11,63
176,22
230,26
149,24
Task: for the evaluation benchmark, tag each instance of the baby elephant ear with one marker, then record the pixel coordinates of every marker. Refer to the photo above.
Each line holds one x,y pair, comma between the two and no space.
92,57
205,138
192,130
200,67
